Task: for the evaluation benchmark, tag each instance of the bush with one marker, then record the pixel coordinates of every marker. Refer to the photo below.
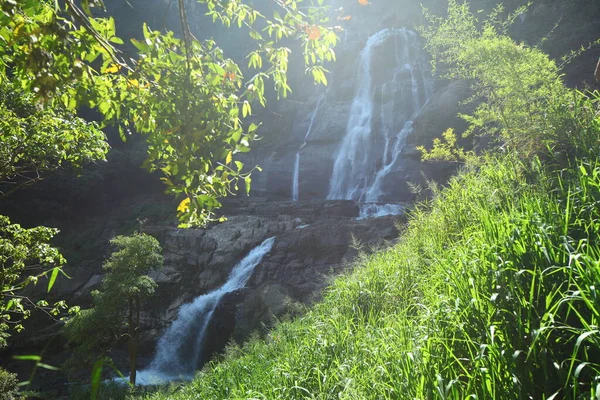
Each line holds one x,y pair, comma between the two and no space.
514,84
8,385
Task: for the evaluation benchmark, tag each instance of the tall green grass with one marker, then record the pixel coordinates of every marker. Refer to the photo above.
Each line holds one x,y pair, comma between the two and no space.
491,293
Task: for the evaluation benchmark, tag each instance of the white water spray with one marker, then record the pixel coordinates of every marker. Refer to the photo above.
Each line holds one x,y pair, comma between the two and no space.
179,350
351,167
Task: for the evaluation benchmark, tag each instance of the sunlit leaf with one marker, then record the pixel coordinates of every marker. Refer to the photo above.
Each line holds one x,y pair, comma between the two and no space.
53,277
184,206
111,69
96,378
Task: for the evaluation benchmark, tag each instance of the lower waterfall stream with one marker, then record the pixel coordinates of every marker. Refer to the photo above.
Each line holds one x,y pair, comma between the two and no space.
179,350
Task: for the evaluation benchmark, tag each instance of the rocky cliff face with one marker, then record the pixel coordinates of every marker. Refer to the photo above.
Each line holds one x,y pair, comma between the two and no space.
313,242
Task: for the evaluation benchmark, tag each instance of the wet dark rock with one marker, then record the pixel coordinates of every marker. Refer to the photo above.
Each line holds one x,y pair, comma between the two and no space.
315,241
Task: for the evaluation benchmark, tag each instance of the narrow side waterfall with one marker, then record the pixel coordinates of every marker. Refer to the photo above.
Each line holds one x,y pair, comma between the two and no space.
374,192
381,118
180,348
296,175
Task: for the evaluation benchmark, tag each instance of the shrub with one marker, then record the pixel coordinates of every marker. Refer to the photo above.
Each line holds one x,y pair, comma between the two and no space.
516,85
8,385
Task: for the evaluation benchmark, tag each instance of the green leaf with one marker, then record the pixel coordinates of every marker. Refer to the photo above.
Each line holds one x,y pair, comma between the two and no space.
116,40
53,277
47,366
247,181
29,357
252,128
246,109
141,46
96,378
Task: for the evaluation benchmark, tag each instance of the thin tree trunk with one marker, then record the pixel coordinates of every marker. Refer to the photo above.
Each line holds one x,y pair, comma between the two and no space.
597,73
136,337
131,345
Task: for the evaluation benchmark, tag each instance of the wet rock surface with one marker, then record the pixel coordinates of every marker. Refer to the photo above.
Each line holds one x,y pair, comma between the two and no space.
315,241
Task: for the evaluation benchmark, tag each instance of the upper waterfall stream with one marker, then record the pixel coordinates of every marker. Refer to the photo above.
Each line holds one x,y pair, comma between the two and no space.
381,118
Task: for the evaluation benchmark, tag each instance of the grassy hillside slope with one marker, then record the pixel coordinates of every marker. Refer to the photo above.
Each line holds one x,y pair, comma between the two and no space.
491,293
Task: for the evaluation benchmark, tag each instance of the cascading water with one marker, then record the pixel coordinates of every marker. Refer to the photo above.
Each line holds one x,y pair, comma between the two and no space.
296,176
362,165
180,348
374,192
351,167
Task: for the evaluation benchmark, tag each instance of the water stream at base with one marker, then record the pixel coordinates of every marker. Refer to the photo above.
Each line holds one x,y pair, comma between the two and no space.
179,350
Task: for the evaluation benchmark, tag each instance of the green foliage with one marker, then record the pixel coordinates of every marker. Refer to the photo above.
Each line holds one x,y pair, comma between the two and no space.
36,142
8,385
25,258
33,143
446,150
125,284
182,94
516,82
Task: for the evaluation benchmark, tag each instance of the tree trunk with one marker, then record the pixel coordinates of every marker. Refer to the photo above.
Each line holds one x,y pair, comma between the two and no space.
597,73
131,345
136,336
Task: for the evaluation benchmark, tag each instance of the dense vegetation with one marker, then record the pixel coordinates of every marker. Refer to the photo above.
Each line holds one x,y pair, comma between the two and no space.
491,291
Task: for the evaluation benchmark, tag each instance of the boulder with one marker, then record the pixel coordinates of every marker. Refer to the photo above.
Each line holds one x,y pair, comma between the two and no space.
260,309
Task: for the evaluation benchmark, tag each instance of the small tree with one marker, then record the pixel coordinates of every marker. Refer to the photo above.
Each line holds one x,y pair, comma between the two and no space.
118,302
513,83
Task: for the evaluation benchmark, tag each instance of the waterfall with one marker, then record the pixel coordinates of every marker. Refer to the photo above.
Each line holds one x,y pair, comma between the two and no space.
296,175
351,166
180,348
362,164
374,192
